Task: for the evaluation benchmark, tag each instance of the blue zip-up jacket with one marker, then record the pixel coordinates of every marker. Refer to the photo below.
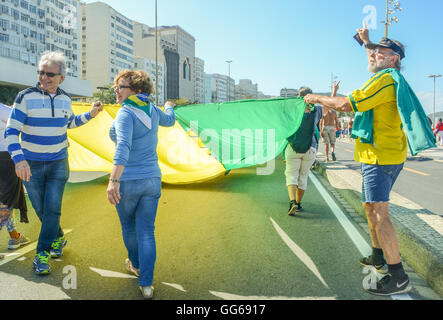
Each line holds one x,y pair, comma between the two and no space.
136,139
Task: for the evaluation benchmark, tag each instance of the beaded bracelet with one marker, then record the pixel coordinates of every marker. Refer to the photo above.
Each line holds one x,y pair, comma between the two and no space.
114,180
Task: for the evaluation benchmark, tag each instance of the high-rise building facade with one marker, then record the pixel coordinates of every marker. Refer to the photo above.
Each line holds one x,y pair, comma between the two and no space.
144,46
107,43
288,93
30,27
185,44
199,80
246,90
219,88
148,65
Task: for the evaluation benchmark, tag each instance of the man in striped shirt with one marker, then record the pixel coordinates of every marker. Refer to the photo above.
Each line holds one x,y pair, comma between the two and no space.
40,117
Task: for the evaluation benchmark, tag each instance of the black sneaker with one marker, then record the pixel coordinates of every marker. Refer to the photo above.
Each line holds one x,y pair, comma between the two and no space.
333,157
298,208
381,268
387,286
292,208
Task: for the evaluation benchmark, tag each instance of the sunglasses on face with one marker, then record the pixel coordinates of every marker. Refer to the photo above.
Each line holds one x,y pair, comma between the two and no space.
377,51
120,87
48,74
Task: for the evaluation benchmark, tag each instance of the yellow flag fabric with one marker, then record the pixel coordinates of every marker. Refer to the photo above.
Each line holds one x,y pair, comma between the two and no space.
183,159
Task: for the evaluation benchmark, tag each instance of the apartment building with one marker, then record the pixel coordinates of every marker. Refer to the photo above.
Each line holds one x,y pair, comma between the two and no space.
246,90
287,93
30,27
185,45
219,88
144,46
107,43
199,80
148,65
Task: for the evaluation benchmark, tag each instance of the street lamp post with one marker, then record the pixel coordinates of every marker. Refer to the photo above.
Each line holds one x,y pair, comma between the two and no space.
434,76
389,11
229,79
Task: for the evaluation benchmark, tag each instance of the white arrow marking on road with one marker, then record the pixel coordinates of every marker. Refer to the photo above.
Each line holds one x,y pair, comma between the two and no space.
230,296
175,286
112,274
17,288
22,251
299,253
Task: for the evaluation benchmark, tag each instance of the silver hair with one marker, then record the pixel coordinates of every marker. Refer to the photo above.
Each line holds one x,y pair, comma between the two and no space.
54,58
398,62
304,91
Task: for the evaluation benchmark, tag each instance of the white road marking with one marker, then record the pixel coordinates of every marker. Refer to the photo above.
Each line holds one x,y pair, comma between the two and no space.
361,244
112,274
22,251
352,232
403,296
175,286
230,296
299,253
17,288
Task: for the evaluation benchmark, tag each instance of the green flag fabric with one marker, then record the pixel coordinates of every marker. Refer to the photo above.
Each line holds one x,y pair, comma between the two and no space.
245,132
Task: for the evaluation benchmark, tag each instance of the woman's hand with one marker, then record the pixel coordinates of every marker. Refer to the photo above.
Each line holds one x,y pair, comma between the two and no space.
170,104
23,170
113,192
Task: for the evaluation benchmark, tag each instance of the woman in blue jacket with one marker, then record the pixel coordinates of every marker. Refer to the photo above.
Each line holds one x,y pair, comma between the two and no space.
135,181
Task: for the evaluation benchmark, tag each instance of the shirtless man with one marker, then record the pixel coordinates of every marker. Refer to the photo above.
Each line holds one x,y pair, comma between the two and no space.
328,124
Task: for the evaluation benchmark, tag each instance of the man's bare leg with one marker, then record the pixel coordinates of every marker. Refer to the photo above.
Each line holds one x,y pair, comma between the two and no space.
382,232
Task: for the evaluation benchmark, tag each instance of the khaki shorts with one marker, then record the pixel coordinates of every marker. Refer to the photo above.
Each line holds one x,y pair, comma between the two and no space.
298,166
329,135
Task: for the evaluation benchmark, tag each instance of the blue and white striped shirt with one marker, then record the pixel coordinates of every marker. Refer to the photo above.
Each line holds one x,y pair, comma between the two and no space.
41,121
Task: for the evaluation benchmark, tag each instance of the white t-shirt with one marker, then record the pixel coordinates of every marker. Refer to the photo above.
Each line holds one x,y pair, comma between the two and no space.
5,111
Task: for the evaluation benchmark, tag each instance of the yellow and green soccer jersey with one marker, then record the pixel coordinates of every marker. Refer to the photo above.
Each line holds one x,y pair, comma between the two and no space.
390,145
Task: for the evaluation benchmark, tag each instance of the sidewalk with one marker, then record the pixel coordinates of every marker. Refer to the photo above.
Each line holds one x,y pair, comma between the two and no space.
419,231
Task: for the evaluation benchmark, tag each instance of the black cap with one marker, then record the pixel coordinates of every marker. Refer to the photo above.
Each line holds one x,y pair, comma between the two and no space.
394,45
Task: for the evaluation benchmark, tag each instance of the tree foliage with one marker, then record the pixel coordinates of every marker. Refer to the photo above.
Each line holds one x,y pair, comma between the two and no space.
106,95
8,94
181,102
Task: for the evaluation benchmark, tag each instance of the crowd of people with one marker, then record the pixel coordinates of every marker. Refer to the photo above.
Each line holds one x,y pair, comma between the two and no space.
34,154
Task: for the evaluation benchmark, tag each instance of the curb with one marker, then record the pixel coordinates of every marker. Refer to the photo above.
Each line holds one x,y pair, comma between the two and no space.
421,246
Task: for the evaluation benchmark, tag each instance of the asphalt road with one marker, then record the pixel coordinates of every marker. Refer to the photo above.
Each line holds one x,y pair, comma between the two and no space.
419,181
226,239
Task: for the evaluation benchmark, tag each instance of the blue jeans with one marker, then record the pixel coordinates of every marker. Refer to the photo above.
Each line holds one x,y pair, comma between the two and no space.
45,190
378,181
137,211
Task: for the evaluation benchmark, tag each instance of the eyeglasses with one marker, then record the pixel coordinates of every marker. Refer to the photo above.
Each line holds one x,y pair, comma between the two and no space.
48,74
120,87
377,51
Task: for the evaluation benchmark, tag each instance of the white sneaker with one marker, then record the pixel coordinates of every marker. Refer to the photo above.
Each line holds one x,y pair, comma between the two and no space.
131,268
17,243
147,292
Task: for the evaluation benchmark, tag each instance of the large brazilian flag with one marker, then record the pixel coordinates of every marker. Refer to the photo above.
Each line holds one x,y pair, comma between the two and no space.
246,132
206,142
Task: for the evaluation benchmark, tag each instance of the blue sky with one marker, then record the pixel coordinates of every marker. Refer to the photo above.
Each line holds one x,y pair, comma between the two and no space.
290,43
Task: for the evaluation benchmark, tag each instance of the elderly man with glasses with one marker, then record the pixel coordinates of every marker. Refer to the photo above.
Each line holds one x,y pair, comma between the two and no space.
382,156
41,116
